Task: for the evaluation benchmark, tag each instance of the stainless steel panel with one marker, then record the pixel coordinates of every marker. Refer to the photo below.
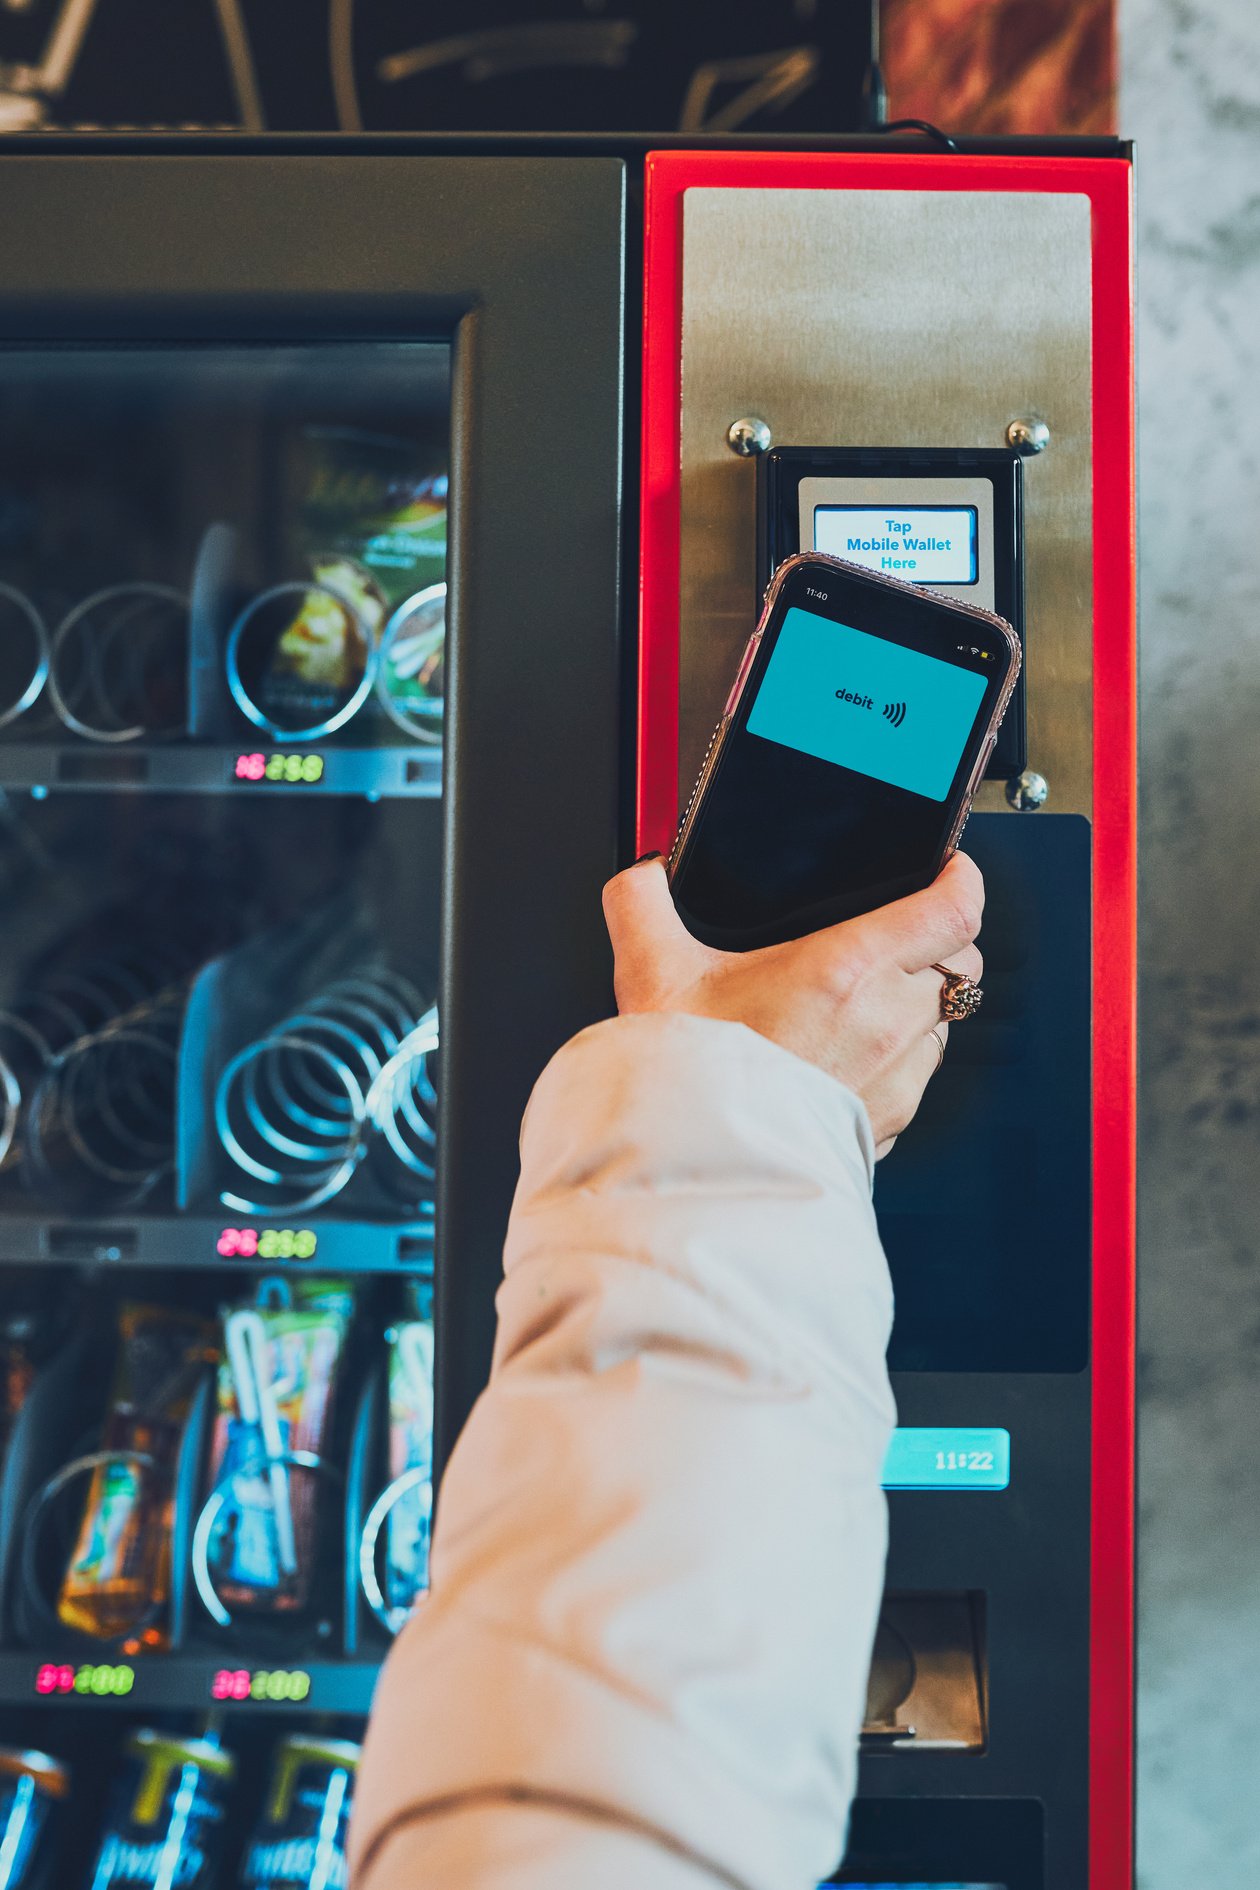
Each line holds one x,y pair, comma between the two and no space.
890,318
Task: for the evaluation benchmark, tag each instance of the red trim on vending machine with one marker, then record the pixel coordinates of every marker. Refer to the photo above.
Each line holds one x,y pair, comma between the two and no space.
1115,1034
1107,184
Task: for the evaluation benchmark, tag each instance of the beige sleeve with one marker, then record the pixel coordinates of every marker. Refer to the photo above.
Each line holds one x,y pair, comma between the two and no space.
660,1540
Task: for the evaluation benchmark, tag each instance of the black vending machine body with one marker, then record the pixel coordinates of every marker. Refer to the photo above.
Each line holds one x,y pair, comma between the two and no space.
310,544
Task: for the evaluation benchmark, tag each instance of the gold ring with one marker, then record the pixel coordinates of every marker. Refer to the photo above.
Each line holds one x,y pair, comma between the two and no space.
939,1041
961,996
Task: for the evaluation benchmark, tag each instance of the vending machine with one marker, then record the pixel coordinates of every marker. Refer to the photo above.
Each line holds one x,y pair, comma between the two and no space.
380,522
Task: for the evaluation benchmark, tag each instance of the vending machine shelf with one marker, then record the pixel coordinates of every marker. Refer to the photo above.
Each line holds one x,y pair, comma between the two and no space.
187,1683
237,769
225,1241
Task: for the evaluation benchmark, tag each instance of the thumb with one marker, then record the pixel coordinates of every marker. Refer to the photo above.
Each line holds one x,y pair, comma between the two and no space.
646,932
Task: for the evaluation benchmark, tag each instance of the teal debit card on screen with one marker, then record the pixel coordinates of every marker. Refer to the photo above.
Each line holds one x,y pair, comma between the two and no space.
865,704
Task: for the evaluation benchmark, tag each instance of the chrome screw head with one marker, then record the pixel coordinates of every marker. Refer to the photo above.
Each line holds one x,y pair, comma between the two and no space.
1028,791
748,437
1028,436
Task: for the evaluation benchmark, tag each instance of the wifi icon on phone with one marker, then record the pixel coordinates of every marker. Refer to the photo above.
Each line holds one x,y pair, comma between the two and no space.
895,712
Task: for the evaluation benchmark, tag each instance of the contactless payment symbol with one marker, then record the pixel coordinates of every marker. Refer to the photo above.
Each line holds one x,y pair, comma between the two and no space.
895,712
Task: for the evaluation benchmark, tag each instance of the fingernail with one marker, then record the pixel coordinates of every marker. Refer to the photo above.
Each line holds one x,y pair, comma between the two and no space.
645,857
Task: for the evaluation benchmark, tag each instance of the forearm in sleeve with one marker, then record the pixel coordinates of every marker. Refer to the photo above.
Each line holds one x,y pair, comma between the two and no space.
660,1539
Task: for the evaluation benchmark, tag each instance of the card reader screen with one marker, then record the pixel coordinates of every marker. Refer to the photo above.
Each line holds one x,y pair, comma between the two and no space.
922,544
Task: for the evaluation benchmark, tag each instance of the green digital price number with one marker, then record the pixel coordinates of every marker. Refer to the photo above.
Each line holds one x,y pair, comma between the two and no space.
292,769
287,1243
261,1683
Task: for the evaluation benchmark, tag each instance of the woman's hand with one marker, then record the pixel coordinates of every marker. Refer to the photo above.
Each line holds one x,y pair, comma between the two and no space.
860,1000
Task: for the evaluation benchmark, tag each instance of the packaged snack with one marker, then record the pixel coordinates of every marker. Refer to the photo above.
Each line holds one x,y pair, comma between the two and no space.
17,1375
163,1830
301,1836
31,1787
410,1449
411,683
34,1320
370,525
322,644
377,501
118,1578
300,660
275,1400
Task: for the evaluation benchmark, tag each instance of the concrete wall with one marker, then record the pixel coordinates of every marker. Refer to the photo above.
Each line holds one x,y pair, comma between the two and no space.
1190,96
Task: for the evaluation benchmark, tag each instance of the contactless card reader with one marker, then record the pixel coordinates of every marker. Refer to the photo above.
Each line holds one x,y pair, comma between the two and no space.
948,518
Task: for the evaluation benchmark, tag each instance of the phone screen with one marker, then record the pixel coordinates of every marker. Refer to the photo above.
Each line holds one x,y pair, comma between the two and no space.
863,703
840,779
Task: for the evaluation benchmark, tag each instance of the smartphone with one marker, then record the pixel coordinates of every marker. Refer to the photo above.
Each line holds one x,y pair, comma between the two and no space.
841,773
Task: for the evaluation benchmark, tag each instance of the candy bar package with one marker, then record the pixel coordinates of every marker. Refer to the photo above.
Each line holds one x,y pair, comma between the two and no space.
410,1450
373,509
34,1320
118,1578
281,1357
17,1375
370,526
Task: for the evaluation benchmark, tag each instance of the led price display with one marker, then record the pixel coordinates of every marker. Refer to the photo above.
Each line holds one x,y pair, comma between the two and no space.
273,1243
260,1683
88,1681
935,1458
293,769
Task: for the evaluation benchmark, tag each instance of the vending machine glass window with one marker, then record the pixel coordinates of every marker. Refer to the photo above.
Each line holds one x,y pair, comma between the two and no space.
223,580
223,662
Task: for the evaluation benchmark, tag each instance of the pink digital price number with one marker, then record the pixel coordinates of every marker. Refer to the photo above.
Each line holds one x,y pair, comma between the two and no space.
260,1683
292,769
272,1243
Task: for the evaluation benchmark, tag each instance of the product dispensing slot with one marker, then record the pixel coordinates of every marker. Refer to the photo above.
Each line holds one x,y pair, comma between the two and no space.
928,1687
